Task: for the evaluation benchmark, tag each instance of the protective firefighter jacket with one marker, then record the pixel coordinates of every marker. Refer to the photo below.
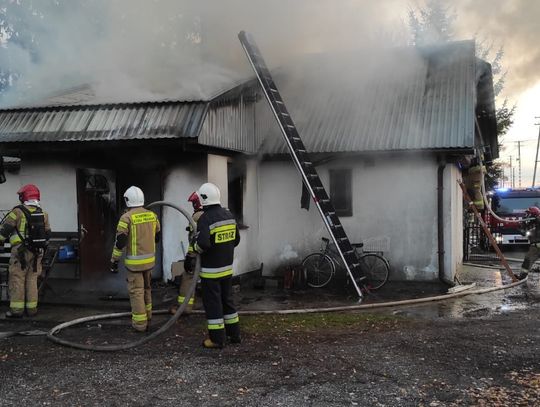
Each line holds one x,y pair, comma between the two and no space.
14,226
24,265
533,229
216,239
136,231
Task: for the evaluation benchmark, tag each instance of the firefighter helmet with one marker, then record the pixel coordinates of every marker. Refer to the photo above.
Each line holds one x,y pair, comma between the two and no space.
209,194
533,210
195,201
28,192
134,197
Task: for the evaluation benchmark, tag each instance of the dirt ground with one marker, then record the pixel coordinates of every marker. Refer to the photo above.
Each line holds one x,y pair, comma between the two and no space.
417,356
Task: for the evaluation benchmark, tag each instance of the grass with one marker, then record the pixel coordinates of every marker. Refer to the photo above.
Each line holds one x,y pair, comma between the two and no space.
312,322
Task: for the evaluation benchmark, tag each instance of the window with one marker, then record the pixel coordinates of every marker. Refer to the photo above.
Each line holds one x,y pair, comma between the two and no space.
236,176
341,191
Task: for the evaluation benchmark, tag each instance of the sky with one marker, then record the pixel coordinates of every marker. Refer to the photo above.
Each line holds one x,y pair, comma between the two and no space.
142,49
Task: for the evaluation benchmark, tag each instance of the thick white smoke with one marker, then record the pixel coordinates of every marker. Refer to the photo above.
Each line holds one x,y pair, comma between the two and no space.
136,50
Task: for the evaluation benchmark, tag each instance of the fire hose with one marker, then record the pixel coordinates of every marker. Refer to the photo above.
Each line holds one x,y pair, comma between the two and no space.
113,348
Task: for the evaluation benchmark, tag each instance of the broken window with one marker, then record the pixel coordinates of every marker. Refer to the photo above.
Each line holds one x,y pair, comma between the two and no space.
341,191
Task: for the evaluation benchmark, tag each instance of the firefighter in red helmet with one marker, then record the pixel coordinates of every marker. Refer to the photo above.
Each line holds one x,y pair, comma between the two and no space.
190,258
27,229
532,231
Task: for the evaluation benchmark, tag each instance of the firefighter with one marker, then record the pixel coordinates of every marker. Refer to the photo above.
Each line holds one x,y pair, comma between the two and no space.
137,232
473,181
28,230
189,261
532,231
217,236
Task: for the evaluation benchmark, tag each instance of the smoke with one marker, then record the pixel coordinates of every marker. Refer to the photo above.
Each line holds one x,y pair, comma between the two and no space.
136,50
511,24
141,50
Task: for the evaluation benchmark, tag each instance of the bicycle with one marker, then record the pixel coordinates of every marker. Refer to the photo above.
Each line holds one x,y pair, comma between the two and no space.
321,266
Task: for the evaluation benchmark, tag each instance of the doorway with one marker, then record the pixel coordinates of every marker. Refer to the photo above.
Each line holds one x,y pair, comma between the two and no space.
98,214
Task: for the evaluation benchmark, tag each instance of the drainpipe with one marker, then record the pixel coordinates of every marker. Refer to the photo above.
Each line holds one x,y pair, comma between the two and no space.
440,220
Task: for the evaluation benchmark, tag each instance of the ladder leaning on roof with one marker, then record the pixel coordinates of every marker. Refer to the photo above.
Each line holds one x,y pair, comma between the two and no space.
303,164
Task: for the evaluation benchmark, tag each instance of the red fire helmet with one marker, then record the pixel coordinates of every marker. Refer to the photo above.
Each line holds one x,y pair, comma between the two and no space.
533,210
195,201
28,192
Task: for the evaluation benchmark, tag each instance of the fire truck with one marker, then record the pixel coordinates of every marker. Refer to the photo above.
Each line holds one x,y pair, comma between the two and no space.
510,205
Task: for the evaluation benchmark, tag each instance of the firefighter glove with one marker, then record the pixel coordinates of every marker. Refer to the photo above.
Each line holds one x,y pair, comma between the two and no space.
114,267
193,238
189,263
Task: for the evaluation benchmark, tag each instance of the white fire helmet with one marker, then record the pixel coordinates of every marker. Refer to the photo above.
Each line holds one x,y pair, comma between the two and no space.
209,194
134,197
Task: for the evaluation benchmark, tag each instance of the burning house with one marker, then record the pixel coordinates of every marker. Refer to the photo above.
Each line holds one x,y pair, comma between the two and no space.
389,145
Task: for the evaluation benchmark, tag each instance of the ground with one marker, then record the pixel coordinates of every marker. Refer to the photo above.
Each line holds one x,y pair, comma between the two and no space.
478,350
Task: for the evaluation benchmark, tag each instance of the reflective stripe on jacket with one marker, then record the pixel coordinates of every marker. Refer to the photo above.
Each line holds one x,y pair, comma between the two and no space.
217,237
140,226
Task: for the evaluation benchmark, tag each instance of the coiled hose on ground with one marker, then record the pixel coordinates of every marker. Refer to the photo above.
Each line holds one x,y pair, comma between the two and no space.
113,348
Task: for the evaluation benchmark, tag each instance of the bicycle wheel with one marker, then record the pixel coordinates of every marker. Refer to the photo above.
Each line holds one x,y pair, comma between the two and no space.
376,269
319,269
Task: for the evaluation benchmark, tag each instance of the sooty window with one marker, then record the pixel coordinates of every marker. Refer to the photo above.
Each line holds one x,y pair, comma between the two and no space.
341,191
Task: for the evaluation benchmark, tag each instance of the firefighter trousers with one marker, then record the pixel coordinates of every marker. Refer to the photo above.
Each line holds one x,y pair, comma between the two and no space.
532,255
24,269
187,280
221,315
140,297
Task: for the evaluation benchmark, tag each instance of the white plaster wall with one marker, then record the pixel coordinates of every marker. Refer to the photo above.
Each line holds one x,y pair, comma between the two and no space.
247,254
58,186
394,199
217,174
287,232
179,183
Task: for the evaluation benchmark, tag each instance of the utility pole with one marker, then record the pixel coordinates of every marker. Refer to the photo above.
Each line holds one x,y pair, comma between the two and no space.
519,164
511,175
537,146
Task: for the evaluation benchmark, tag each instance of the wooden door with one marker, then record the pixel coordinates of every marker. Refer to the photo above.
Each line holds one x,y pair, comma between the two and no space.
98,214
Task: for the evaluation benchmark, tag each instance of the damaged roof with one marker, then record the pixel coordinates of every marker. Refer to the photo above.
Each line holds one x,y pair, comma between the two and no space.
403,99
103,122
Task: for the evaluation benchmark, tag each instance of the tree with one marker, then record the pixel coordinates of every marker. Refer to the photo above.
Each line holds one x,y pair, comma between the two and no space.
433,23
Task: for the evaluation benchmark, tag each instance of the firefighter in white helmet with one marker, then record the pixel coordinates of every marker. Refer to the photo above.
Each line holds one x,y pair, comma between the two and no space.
137,232
217,236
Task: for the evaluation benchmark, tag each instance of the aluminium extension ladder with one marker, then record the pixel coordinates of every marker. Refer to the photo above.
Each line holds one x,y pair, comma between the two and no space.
303,164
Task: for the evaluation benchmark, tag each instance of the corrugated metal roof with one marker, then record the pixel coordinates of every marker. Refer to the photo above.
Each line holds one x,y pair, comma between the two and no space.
107,122
404,99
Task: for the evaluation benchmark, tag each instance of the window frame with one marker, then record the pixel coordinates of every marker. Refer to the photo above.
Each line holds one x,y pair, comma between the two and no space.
344,175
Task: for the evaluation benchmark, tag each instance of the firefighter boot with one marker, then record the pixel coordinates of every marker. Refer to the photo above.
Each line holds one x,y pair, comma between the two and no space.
208,344
10,314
